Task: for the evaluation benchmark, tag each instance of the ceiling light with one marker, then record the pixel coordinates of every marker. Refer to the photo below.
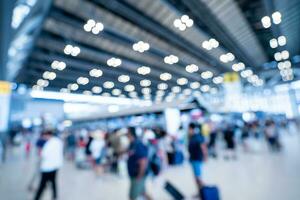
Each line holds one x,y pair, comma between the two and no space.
145,83
218,80
273,43
191,68
129,88
182,81
195,85
281,40
246,73
176,89
141,46
73,86
205,88
114,62
108,84
58,65
106,94
207,74
206,45
96,73
238,66
96,89
123,78
64,90
71,50
116,92
82,80
276,16
49,75
183,22
87,92
165,76
143,70
278,56
230,56
213,43
266,21
160,93
133,94
285,54
93,26
187,91
162,86
42,83
171,59
146,90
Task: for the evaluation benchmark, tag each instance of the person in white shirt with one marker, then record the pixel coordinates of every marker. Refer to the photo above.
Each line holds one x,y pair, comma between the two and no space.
51,161
97,148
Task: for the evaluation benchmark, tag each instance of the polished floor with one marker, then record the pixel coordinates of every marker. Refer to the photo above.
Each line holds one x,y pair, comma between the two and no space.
259,175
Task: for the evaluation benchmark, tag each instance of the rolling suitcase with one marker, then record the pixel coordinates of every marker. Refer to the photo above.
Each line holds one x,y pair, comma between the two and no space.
173,191
209,193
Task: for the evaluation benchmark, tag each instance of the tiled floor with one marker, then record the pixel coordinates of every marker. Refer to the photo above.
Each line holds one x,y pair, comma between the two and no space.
254,176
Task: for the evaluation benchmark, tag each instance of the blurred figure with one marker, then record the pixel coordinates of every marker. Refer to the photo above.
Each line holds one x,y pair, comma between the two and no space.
212,141
51,161
245,137
230,142
137,166
39,146
272,135
97,147
70,146
198,153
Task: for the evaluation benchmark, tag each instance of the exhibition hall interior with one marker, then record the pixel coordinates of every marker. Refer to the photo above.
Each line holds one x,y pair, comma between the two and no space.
149,99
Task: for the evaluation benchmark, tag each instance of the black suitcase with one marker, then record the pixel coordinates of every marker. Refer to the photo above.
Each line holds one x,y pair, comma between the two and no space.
173,191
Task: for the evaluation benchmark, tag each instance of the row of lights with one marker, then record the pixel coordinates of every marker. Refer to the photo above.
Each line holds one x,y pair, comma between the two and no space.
283,55
266,20
280,41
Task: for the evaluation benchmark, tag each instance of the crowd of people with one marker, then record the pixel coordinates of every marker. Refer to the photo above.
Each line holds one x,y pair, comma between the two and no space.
146,151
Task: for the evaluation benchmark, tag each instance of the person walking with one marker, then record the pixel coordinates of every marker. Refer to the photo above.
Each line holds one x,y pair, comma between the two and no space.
198,153
137,166
51,161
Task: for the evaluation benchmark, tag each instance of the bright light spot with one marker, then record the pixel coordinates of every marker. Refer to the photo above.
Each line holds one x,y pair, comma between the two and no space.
165,76
114,62
96,73
162,86
143,70
207,75
123,78
191,68
171,59
145,83
195,85
218,80
96,89
129,88
108,84
266,22
182,81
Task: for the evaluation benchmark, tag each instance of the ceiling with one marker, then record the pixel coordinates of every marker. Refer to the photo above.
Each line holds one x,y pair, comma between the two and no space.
234,24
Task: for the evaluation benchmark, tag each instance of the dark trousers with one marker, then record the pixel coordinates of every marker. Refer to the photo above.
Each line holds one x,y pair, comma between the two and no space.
47,177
